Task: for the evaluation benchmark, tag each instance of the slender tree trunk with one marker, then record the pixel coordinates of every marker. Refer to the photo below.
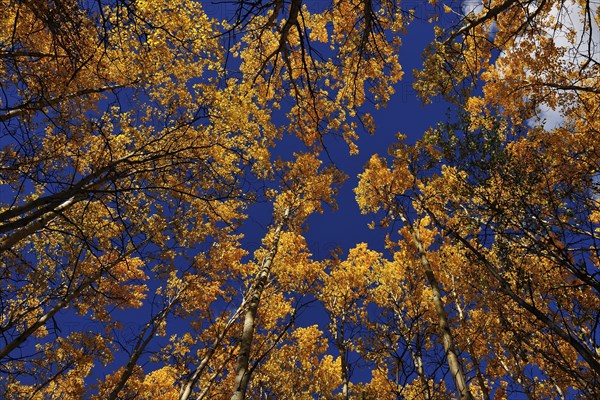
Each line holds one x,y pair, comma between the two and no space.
345,378
416,356
340,342
34,106
242,372
36,214
213,377
11,240
448,341
479,374
186,390
418,361
146,335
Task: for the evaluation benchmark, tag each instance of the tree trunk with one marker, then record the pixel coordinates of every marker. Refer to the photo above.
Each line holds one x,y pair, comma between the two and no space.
340,342
479,374
146,335
242,372
416,356
448,341
186,390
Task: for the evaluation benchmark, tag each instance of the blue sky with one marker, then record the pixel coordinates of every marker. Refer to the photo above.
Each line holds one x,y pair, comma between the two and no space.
405,114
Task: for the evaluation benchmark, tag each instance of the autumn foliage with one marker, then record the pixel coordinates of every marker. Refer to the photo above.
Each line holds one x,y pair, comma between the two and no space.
140,139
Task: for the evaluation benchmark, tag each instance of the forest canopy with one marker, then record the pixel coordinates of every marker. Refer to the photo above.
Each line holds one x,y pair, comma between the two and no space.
161,164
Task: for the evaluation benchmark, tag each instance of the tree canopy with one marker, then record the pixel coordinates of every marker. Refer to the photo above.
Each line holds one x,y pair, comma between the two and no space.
139,140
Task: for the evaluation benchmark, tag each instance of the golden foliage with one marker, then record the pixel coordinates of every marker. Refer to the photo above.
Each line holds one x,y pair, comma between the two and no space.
136,143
